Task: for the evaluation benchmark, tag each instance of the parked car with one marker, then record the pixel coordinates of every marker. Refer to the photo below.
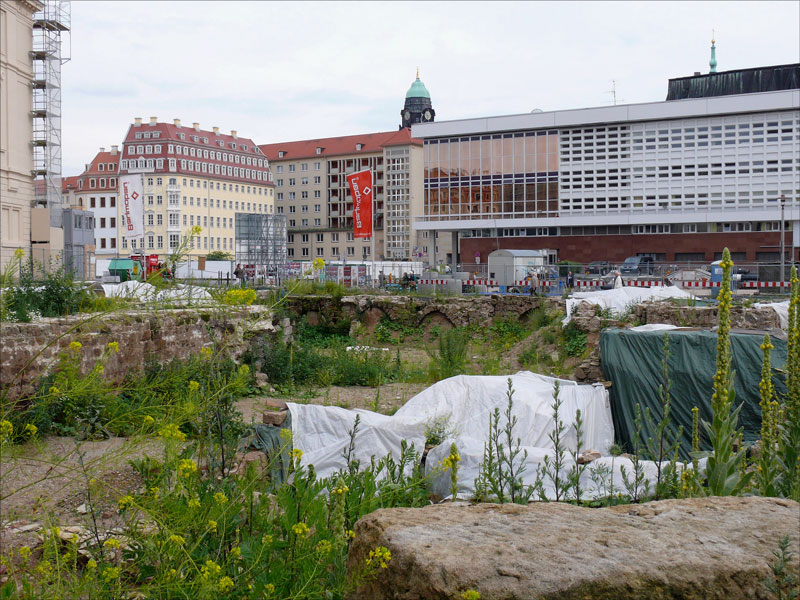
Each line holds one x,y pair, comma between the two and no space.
598,267
638,265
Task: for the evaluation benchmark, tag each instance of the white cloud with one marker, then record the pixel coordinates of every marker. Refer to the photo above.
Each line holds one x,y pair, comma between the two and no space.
284,71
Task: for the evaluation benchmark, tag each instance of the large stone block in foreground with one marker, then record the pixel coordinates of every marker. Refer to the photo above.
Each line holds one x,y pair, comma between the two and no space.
705,548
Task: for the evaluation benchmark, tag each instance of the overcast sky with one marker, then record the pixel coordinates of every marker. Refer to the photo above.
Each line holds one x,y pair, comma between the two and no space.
280,71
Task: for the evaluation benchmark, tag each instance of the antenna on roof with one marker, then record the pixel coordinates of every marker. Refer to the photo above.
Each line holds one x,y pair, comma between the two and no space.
613,92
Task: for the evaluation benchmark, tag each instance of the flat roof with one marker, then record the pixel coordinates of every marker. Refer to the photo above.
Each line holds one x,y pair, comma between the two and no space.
622,113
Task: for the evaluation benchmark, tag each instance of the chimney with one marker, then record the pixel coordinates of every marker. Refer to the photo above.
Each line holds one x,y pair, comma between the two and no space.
216,130
102,149
153,120
233,133
196,126
86,168
176,122
114,149
137,121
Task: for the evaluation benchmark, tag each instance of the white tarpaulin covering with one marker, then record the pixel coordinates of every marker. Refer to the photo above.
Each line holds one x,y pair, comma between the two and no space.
466,402
619,300
782,308
148,293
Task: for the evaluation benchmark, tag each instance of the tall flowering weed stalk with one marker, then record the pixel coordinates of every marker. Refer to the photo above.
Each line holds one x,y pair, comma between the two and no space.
767,466
725,472
788,414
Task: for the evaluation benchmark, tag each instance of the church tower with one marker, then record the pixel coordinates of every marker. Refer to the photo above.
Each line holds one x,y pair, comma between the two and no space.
418,107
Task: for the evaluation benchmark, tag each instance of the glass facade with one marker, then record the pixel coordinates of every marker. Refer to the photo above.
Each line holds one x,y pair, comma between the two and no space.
511,175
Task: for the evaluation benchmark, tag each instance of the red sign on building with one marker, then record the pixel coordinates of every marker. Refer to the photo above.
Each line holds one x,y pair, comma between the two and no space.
361,189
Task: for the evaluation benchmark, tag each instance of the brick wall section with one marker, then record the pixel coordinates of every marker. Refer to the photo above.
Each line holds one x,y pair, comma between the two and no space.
165,334
616,248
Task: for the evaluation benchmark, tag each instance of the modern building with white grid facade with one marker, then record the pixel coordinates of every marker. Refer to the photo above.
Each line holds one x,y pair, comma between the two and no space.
678,180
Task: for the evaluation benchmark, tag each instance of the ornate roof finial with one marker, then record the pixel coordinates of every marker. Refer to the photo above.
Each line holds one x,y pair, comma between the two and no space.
713,62
417,72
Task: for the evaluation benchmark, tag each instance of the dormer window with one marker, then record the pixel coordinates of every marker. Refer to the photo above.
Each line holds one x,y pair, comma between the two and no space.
359,146
319,149
244,148
281,153
101,167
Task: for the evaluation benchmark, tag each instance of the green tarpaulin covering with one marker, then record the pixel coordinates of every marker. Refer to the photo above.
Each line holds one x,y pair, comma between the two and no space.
632,362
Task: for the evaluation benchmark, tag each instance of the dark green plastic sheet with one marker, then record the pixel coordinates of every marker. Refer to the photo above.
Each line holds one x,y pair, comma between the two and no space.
632,362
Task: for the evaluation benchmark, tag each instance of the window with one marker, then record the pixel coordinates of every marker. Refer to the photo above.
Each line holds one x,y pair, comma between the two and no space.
334,237
351,251
112,222
92,202
160,240
102,222
317,164
305,251
173,240
159,221
291,168
320,251
304,181
320,237
150,220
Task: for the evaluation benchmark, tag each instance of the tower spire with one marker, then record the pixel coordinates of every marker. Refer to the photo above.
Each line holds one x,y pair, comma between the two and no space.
713,62
417,72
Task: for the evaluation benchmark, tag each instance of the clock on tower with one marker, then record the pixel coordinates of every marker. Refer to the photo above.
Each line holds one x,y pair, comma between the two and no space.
417,107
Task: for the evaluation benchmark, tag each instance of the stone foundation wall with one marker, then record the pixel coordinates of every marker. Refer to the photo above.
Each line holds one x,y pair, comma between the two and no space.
415,311
742,317
29,350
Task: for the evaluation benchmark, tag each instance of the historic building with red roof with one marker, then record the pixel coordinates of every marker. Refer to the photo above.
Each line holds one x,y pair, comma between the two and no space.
193,177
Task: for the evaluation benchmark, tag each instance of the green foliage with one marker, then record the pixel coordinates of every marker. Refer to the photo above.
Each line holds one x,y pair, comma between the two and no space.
438,429
555,468
219,255
396,332
504,333
500,473
637,485
574,340
324,335
665,441
41,293
782,583
450,358
789,419
297,364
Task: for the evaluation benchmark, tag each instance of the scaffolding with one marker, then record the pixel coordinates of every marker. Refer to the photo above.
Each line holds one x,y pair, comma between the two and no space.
51,49
261,243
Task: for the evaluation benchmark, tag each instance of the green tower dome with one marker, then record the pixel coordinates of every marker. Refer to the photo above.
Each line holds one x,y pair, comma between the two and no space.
418,89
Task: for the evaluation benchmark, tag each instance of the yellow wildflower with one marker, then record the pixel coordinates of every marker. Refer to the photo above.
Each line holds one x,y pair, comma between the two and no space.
111,573
125,502
266,539
76,346
300,529
225,584
269,589
196,229
210,570
220,498
379,557
92,564
155,492
212,526
236,552
6,428
19,253
323,548
54,390
25,552
31,429
297,454
471,595
112,543
206,352
193,386
171,432
172,573
186,467
148,421
351,534
177,539
113,346
194,503
342,489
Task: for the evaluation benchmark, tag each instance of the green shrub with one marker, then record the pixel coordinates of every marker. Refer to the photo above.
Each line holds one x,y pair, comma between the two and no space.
451,356
574,340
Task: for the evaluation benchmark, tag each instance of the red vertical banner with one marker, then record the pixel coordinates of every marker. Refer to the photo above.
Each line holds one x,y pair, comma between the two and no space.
361,190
